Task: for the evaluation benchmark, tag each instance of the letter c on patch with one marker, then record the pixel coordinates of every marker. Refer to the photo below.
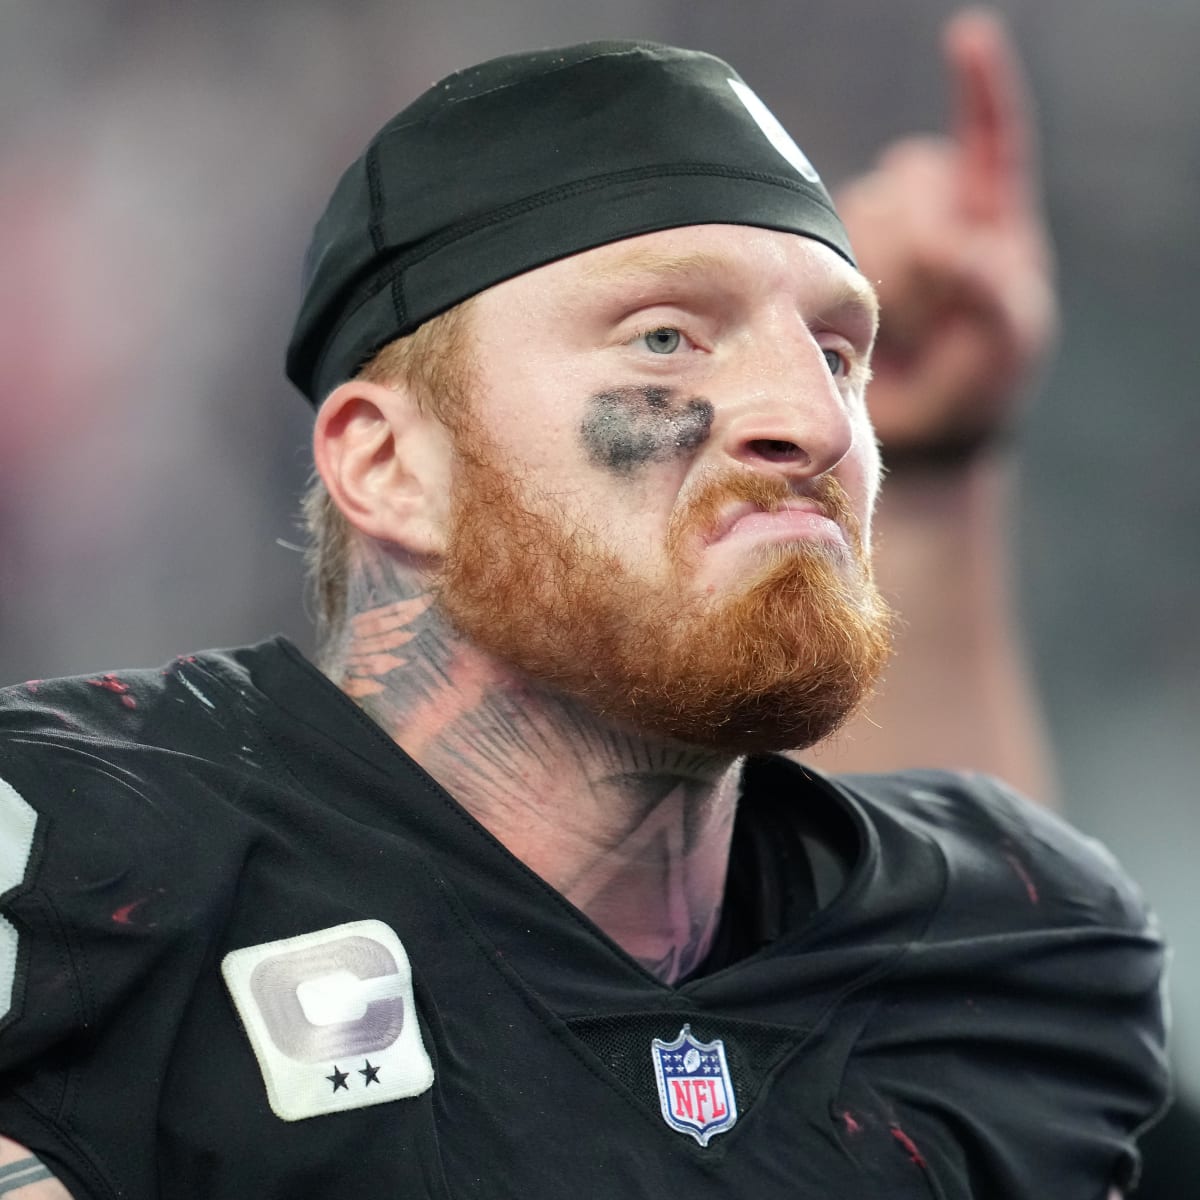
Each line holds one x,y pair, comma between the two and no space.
357,977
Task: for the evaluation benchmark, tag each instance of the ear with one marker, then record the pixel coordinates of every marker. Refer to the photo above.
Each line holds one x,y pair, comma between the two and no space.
386,464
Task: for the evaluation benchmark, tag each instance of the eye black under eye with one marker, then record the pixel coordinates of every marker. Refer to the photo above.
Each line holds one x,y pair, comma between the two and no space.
662,341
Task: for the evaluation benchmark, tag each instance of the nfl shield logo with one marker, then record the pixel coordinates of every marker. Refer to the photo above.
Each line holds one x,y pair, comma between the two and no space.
694,1087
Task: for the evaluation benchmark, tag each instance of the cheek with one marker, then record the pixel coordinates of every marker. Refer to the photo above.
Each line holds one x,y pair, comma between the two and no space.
872,475
872,498
861,473
625,429
531,443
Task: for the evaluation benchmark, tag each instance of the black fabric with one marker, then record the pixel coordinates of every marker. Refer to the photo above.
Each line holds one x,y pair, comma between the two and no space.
975,1017
525,159
771,885
1171,1150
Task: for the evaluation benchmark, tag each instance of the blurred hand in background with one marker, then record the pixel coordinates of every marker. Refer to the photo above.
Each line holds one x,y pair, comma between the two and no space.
950,230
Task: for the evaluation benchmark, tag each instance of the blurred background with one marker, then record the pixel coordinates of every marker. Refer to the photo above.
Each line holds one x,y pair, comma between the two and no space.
160,170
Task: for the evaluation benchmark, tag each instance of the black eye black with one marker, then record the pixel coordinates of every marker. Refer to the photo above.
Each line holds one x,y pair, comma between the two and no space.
662,341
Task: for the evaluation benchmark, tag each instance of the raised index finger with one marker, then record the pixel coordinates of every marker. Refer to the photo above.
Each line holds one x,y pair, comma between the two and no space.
992,121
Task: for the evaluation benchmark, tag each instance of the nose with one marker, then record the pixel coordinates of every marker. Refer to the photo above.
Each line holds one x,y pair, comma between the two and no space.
789,416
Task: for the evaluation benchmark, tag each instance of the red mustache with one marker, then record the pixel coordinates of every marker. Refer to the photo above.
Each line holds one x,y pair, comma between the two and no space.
702,511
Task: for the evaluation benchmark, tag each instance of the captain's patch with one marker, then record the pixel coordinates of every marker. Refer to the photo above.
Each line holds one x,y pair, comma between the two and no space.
331,1018
695,1090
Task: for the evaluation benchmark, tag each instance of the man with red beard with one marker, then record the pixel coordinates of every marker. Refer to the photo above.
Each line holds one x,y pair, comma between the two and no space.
514,896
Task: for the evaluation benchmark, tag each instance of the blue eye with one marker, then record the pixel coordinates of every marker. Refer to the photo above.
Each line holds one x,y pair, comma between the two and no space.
835,360
662,341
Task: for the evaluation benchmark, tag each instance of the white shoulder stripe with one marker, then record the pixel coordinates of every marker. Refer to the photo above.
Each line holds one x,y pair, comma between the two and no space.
17,824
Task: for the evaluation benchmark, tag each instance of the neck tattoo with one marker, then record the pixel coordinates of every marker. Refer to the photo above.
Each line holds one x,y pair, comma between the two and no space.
634,831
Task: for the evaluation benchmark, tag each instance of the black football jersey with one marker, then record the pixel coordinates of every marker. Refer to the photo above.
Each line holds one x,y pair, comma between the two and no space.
249,948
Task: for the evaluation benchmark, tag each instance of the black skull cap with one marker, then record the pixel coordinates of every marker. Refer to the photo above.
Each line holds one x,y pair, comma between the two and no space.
529,158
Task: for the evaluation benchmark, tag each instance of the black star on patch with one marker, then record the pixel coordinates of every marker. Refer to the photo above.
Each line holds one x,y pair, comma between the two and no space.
369,1073
338,1079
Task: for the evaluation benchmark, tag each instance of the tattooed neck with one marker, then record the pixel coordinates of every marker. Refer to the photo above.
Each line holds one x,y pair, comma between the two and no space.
634,831
396,651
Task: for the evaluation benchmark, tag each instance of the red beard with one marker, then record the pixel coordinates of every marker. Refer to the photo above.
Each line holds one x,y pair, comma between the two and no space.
778,663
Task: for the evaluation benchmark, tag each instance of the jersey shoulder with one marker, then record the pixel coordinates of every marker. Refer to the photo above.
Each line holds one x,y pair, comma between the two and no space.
114,735
119,830
1040,965
999,845
146,706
